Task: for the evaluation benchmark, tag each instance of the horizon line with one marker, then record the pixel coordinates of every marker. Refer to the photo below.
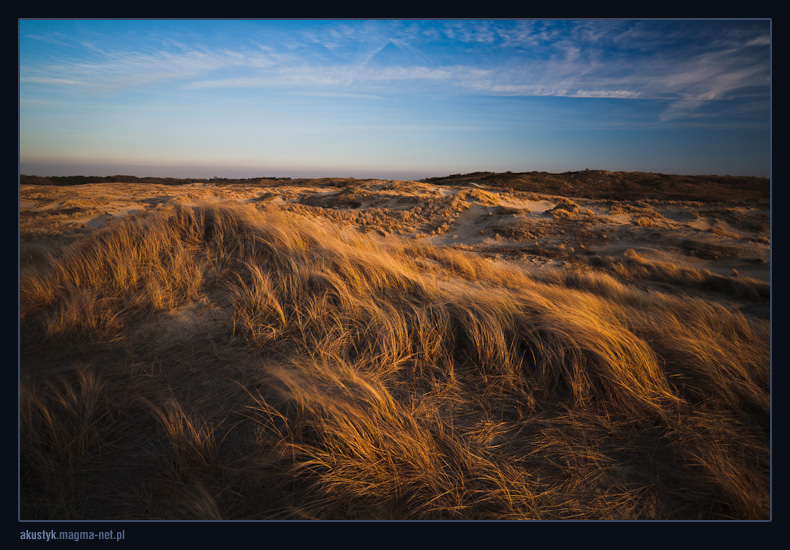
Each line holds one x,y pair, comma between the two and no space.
324,175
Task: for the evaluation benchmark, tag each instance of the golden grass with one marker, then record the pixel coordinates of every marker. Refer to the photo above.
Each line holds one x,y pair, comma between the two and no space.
225,362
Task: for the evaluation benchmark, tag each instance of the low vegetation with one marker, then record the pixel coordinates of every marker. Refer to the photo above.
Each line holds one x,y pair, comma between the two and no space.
623,186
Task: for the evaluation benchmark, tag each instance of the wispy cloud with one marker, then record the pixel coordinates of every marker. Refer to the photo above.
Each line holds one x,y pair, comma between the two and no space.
107,68
51,81
590,59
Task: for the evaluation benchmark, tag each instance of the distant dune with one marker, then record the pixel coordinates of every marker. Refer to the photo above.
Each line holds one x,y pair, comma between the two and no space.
600,184
587,345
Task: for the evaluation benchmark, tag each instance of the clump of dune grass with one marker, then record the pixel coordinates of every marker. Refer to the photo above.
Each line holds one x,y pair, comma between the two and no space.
707,250
34,254
640,213
726,234
520,229
633,265
564,208
223,362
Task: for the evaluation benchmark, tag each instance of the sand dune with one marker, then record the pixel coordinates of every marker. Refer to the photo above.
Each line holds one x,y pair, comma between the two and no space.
372,349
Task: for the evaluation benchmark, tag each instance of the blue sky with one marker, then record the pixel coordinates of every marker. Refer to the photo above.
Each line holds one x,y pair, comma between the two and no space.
393,98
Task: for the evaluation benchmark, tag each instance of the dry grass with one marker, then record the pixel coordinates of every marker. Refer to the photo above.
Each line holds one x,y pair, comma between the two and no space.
241,363
634,266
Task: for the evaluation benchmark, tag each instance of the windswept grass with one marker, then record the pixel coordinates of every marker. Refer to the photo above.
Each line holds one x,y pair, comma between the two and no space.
225,362
634,266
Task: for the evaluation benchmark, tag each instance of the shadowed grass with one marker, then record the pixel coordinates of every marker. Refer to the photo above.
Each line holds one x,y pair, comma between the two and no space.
634,266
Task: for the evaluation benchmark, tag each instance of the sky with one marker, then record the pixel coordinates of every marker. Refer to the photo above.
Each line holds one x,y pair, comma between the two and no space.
396,99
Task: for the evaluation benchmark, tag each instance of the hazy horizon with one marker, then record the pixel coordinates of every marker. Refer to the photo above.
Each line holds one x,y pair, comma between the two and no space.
235,172
400,99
